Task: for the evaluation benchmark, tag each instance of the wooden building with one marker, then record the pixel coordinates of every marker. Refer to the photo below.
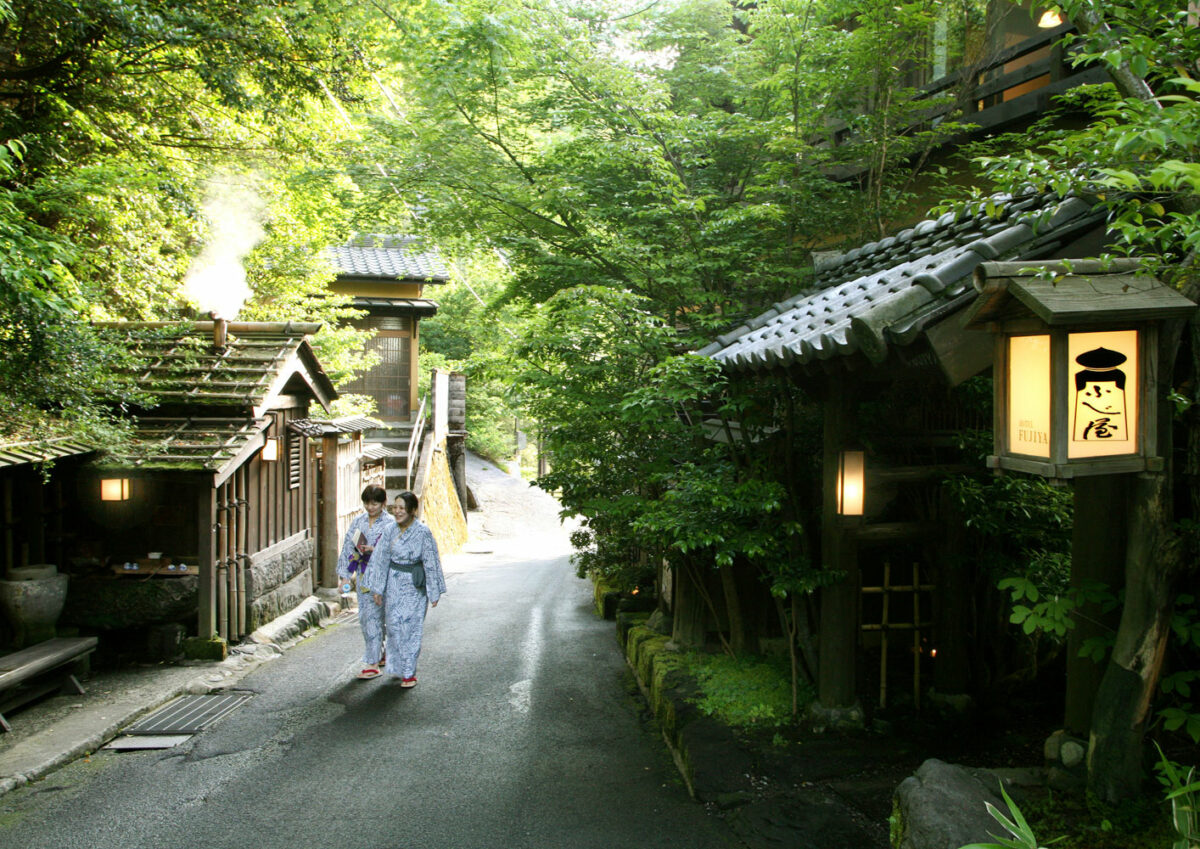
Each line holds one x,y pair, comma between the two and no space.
209,514
386,276
214,475
878,342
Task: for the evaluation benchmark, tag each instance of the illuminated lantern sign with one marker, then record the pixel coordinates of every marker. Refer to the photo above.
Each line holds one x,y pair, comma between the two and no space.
1075,364
851,483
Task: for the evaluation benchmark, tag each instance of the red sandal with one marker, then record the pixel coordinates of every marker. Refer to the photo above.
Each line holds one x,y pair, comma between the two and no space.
369,673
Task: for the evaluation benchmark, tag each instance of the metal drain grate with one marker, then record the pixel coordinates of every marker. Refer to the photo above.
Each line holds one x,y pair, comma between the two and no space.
188,714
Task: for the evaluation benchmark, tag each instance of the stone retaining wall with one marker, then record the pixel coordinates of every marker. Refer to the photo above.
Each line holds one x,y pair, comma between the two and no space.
713,765
280,578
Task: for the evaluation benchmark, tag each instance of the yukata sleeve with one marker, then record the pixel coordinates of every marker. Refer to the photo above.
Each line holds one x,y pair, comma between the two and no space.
343,561
375,577
435,581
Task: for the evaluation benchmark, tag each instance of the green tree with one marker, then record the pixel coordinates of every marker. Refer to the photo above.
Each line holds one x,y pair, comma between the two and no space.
116,116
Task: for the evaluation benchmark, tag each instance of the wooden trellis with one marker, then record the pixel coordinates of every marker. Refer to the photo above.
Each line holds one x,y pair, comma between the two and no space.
887,624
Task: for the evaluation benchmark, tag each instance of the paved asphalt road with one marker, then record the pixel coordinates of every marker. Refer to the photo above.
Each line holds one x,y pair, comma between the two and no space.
524,732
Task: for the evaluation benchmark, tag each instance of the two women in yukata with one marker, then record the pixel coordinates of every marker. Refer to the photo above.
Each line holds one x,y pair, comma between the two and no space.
388,599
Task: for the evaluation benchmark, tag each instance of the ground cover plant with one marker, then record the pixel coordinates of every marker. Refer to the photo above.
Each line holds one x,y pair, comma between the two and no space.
748,692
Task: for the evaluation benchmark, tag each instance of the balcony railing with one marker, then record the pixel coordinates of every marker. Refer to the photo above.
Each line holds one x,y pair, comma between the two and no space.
1016,83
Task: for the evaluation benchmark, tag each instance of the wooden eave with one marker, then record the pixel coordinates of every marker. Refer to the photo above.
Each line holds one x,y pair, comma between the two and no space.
1068,294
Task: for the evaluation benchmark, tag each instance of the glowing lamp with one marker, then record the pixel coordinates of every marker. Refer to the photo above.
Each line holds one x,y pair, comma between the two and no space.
1075,364
114,489
270,449
1050,19
851,483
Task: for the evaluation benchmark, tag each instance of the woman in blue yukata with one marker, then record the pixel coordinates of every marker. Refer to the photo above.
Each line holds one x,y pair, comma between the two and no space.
375,531
400,591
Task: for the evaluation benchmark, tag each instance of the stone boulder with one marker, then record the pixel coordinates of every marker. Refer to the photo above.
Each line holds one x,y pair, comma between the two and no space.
116,603
943,806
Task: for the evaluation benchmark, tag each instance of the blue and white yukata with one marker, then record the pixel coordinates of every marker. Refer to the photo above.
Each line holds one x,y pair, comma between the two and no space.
404,605
381,535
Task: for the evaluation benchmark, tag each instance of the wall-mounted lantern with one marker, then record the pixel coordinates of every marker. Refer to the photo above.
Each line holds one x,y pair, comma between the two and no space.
114,489
270,449
1050,19
1075,364
851,482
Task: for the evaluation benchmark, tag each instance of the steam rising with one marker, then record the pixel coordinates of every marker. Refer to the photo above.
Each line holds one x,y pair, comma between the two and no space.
216,281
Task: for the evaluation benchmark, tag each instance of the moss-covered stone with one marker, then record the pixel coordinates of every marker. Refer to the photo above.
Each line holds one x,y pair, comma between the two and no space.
625,623
205,648
605,597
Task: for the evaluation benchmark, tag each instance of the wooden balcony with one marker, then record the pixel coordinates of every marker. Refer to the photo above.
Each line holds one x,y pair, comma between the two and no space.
1002,92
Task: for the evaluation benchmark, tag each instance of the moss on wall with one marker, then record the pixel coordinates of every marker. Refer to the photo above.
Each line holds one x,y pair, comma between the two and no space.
439,505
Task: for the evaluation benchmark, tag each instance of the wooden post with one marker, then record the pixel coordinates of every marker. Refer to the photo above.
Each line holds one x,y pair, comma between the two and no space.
414,367
37,535
837,664
206,524
916,640
1097,554
952,584
327,520
884,621
10,524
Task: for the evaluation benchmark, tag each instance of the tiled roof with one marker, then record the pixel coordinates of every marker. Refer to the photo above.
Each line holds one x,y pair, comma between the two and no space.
191,442
376,451
405,260
327,427
183,367
41,450
886,293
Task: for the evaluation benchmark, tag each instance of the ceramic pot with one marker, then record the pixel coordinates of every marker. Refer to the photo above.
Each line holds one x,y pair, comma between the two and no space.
32,606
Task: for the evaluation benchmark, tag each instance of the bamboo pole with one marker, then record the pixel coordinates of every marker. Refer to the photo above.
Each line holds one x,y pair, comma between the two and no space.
222,568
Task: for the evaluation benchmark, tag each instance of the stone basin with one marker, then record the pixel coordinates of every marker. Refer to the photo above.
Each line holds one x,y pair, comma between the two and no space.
32,606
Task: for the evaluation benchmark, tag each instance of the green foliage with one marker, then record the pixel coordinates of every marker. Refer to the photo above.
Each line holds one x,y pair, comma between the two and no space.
750,692
1183,793
1021,520
117,115
1034,610
1021,835
474,333
1082,823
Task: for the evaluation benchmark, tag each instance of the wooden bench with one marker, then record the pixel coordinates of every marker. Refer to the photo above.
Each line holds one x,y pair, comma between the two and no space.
40,669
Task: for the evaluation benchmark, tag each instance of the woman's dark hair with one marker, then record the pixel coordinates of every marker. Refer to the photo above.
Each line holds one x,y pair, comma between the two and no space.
409,499
375,493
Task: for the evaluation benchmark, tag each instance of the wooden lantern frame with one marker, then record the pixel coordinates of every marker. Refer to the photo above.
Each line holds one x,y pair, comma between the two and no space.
1058,300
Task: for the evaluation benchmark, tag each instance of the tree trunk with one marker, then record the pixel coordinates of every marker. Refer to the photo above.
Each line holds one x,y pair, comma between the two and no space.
688,622
1126,695
738,641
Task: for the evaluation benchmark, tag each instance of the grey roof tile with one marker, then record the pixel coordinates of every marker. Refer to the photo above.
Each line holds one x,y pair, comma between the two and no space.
406,262
885,292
